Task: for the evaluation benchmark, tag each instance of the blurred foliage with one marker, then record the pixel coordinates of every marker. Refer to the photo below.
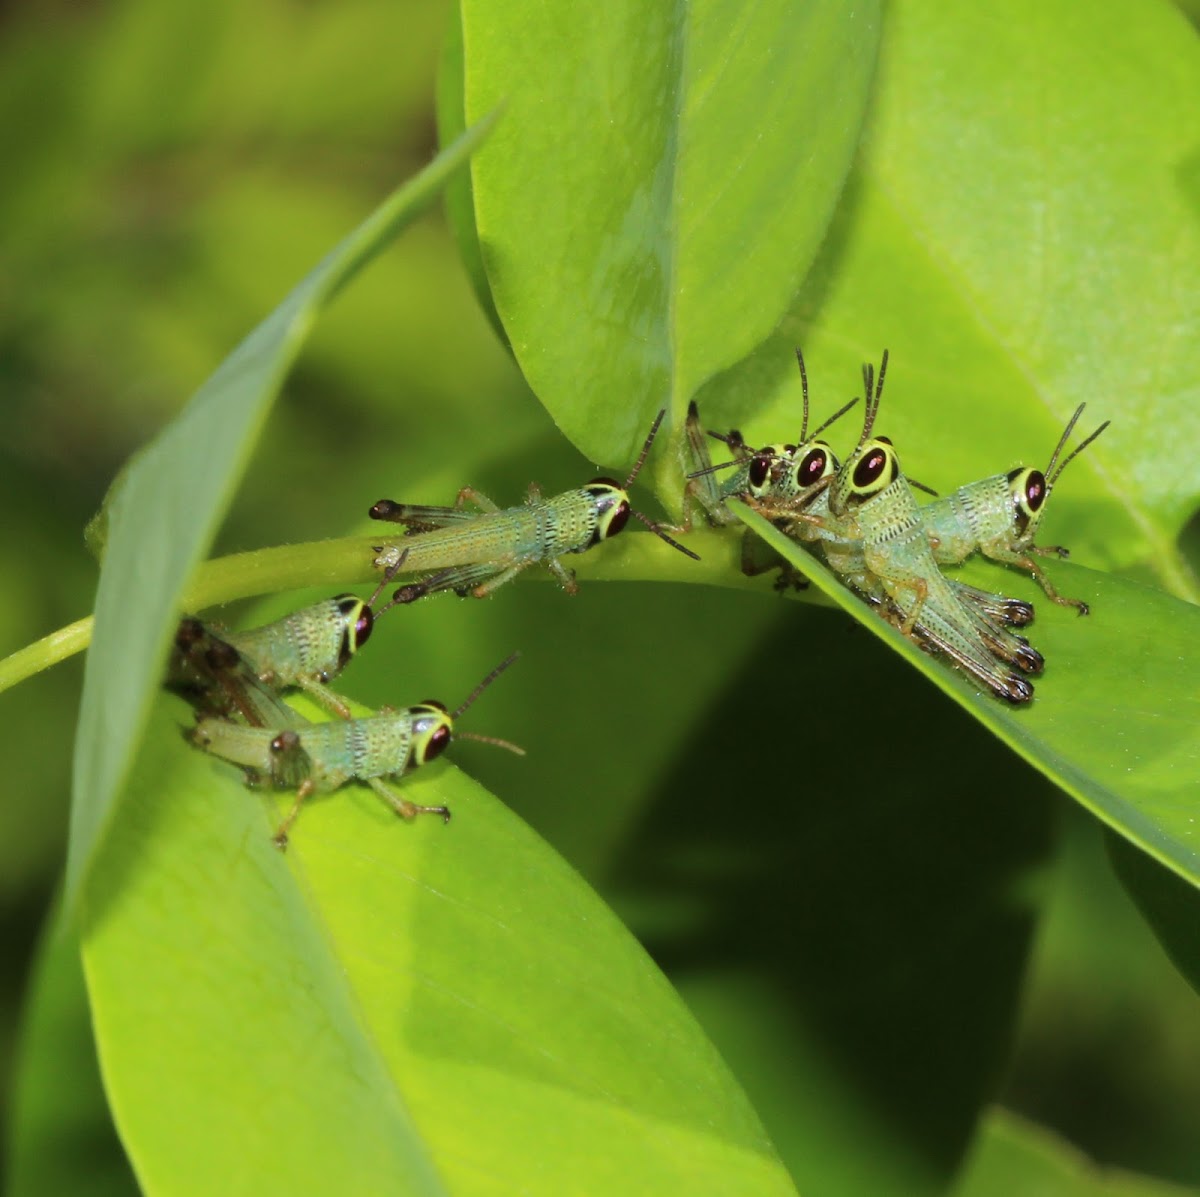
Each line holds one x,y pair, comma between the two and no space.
170,170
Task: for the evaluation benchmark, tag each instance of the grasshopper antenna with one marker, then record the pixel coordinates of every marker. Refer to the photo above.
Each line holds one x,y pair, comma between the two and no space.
1052,474
872,400
483,685
637,467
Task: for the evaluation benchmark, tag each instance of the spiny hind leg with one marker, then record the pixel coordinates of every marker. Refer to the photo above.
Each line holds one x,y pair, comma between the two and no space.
404,808
1006,557
918,587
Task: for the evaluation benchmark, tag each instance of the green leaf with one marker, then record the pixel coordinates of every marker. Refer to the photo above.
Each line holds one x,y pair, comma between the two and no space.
658,188
1017,231
387,1008
60,1134
1015,1156
1171,907
165,511
832,903
1116,717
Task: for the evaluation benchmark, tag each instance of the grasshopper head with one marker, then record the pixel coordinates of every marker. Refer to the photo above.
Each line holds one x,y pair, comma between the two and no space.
356,620
870,469
1029,489
763,469
611,500
803,470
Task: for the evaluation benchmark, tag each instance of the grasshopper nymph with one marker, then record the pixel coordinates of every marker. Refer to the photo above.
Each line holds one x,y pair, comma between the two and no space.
796,476
304,649
999,517
315,758
874,538
475,552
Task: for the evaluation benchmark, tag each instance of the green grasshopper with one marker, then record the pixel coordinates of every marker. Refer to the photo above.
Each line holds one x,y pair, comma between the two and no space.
243,673
999,517
795,475
780,480
315,758
478,551
873,536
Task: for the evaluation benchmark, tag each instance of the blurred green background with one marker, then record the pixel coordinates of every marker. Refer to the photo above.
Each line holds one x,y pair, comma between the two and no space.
169,171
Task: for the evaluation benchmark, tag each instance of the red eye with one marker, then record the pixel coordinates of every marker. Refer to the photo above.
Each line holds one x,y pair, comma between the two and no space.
617,520
1035,490
870,469
363,625
760,468
437,743
812,468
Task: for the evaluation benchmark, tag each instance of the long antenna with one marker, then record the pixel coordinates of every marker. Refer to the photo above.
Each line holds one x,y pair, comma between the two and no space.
487,681
872,400
483,685
1052,474
803,392
637,465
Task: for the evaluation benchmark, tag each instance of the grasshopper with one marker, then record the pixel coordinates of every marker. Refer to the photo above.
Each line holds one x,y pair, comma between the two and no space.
794,475
315,758
999,517
243,673
874,538
478,551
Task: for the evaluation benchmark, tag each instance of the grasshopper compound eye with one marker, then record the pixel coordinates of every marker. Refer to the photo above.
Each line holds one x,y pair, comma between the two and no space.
877,469
612,507
816,464
432,731
759,471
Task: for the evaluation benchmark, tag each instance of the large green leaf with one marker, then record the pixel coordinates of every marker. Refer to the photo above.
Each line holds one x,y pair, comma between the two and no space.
165,507
658,188
60,1137
1116,717
1017,232
847,912
387,1008
1014,1156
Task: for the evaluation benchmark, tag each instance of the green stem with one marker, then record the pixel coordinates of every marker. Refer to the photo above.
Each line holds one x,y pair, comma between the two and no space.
346,562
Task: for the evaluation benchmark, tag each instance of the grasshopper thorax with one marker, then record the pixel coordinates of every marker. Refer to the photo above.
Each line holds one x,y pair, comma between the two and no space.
611,501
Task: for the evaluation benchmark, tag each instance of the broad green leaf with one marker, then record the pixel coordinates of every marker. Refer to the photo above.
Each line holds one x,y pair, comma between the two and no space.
1018,233
848,912
656,192
1171,907
387,1008
60,1137
165,511
1014,1156
1116,717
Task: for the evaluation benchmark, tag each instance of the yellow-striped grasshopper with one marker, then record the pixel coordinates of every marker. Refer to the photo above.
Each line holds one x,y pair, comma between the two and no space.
1000,516
476,551
315,758
873,537
243,673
